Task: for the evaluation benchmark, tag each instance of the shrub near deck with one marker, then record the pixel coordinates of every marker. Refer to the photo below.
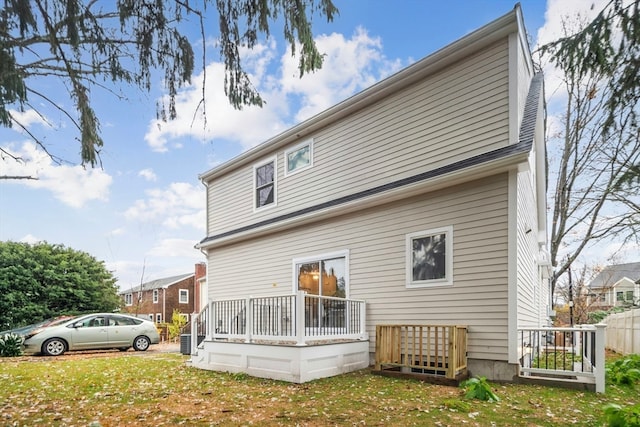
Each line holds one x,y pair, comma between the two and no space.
159,389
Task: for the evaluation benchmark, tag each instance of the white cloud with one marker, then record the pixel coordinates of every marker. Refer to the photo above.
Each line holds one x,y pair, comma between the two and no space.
350,65
73,185
116,232
148,174
180,204
30,239
28,118
175,248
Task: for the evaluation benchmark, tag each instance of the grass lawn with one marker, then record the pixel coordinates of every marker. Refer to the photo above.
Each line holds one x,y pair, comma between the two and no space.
159,390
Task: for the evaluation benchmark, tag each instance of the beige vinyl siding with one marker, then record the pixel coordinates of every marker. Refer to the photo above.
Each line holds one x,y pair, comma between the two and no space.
451,115
375,239
529,289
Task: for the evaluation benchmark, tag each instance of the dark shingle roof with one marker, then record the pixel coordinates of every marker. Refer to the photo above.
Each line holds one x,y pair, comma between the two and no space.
612,274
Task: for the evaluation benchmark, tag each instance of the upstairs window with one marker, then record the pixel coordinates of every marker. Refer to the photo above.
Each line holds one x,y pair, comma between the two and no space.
265,183
128,299
430,258
298,157
155,296
184,296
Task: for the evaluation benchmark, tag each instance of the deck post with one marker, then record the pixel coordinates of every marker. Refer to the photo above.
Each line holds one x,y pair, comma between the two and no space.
300,317
211,328
248,319
599,368
379,347
194,333
452,356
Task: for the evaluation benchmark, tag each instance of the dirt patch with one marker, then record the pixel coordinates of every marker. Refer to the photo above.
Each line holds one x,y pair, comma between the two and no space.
165,347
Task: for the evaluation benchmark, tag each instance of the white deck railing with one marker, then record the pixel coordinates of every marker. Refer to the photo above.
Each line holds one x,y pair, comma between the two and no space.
294,319
570,354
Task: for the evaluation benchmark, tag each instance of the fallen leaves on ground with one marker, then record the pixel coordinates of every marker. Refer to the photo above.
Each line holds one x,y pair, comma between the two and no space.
106,389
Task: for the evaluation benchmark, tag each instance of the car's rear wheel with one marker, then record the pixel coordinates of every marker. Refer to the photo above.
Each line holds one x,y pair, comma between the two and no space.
54,347
141,343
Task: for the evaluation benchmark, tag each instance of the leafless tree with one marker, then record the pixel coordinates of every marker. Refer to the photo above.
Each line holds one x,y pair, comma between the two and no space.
585,165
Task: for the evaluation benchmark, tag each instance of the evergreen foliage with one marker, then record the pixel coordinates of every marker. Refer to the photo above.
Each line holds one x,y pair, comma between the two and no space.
88,45
608,46
41,281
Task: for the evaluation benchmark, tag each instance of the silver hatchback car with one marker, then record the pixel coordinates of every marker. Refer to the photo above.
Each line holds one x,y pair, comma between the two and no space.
91,332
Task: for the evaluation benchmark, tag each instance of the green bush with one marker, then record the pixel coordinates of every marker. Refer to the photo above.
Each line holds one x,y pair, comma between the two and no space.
625,371
10,345
621,416
178,322
479,388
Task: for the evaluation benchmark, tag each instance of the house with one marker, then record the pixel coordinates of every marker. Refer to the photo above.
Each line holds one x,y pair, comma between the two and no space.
615,286
157,299
419,201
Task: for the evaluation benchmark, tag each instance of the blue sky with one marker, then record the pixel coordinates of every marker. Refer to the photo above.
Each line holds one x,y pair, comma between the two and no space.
143,211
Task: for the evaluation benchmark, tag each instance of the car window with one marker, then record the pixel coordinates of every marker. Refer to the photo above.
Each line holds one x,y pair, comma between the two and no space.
121,321
92,322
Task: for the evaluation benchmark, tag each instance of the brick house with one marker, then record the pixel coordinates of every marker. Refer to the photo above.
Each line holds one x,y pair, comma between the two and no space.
157,299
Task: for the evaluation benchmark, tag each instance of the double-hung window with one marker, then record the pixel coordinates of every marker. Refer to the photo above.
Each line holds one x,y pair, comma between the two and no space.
155,296
183,297
264,179
128,299
430,258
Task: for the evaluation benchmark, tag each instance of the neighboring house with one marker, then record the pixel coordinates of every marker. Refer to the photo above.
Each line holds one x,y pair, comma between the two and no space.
157,299
616,285
423,196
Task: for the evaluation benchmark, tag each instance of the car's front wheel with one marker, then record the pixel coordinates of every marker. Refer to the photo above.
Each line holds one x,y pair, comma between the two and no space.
141,343
54,347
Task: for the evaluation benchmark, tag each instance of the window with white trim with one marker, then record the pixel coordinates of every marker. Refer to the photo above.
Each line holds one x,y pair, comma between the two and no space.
158,317
325,275
155,296
430,258
128,299
264,184
298,158
183,297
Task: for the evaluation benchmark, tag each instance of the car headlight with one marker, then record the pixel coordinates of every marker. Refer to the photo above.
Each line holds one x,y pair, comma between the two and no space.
32,333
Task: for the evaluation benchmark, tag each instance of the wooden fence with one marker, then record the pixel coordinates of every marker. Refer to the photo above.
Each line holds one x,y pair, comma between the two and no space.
422,350
623,332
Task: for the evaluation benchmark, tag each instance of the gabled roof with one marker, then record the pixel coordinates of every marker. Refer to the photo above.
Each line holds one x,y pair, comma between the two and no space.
476,40
612,274
489,162
159,283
